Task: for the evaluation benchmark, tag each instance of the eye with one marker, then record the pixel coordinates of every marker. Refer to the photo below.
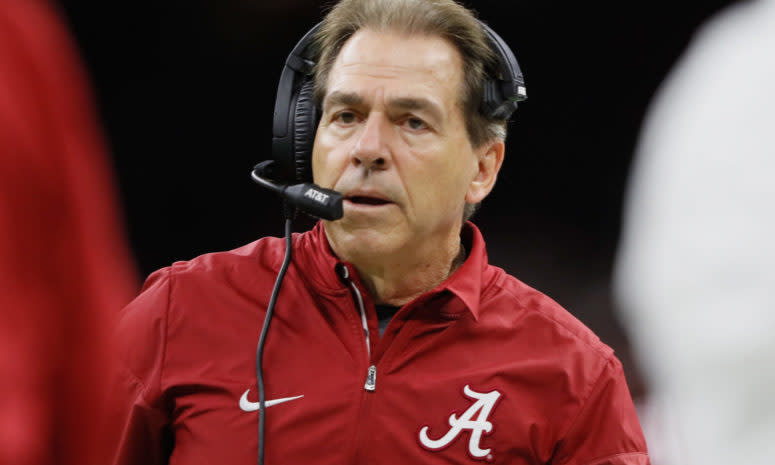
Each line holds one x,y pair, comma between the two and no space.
415,124
345,117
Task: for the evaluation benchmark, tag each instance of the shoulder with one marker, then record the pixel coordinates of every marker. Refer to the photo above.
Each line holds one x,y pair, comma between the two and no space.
182,299
190,283
234,267
265,253
539,319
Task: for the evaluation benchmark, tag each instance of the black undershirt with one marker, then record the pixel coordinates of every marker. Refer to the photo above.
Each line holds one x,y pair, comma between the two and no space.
384,315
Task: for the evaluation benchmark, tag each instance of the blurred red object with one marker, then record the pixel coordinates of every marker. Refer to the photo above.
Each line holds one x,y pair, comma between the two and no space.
64,264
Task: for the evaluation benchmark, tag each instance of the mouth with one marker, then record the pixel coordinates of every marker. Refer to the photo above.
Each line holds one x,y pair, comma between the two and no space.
366,200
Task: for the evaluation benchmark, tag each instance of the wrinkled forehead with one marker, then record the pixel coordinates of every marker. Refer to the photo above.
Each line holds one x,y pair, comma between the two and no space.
423,63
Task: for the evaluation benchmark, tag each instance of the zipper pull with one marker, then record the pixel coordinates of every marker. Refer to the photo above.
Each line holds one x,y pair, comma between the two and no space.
371,379
342,271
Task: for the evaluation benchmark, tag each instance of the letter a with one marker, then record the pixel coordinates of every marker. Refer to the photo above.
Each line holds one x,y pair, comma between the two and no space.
481,409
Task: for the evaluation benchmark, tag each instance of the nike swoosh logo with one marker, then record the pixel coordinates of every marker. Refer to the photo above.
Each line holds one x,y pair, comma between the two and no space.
249,406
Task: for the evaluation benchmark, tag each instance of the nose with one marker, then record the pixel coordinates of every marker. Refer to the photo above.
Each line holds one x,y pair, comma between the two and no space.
371,150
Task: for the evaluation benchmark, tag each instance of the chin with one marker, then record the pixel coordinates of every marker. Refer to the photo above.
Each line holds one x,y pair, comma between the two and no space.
359,241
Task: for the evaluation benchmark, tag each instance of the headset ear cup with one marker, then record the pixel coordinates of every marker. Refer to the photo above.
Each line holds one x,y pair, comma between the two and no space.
304,127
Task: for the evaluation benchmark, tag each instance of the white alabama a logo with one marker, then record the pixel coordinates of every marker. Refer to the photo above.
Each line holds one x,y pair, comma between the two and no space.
485,401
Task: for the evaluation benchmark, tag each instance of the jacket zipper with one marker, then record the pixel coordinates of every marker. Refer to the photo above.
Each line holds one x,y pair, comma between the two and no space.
371,379
371,374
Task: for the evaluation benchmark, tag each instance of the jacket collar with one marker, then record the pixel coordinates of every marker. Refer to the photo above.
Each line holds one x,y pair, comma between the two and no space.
467,281
317,263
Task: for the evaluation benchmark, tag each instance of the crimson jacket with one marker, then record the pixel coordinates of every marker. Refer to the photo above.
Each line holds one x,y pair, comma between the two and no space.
480,369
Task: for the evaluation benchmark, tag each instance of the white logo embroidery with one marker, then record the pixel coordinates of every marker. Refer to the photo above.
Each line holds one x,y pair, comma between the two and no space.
249,406
483,405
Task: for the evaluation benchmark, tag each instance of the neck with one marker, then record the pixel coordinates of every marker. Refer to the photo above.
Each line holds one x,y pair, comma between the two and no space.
399,278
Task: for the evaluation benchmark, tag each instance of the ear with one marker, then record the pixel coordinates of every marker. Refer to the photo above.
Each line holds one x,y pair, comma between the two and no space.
489,160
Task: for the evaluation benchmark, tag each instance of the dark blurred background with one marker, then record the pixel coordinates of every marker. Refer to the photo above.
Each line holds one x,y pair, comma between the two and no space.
186,91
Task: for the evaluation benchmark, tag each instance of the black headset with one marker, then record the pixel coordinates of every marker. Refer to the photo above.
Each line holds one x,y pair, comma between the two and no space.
296,116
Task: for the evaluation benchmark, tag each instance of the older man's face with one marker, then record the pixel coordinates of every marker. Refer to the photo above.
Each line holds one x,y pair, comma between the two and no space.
392,139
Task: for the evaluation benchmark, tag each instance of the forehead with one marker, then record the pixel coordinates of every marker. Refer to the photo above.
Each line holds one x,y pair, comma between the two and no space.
397,63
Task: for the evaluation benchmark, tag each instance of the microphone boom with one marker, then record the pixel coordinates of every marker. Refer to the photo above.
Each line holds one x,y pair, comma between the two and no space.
306,197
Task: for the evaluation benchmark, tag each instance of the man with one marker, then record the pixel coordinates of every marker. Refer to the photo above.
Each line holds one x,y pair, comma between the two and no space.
401,138
695,272
65,269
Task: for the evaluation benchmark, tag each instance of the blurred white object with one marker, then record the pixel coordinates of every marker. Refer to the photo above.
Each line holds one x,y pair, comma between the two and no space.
695,276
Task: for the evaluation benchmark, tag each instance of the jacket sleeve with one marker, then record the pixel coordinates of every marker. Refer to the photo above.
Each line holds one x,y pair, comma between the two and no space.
137,402
606,430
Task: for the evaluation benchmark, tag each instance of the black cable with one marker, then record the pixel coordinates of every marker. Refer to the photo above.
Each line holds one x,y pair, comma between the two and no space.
260,350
